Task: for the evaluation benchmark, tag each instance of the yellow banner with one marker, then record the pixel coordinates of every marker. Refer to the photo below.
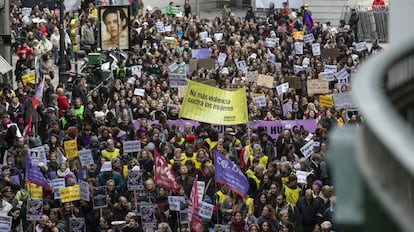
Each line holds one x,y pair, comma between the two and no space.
28,78
209,104
326,101
69,194
35,191
71,149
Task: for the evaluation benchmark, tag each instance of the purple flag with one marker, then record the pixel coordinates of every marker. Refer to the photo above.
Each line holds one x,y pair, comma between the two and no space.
33,174
229,174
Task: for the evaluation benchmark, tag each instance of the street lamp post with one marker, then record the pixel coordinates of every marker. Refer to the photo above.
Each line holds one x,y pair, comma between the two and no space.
62,59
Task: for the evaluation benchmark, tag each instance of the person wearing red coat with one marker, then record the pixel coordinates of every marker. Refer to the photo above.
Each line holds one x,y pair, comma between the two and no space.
62,101
378,5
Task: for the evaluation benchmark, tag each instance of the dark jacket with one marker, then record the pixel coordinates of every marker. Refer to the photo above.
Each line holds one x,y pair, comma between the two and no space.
308,210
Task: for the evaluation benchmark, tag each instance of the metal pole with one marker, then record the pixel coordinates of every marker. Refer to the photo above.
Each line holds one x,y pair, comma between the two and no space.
5,50
62,59
198,8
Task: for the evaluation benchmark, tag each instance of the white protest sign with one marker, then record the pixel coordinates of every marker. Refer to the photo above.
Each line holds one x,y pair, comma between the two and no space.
342,100
330,68
308,38
160,26
218,36
283,88
136,70
287,107
132,146
172,67
167,28
309,137
299,48
297,68
85,157
34,209
330,76
271,42
203,35
343,74
58,183
38,154
316,49
241,65
84,190
205,210
302,177
177,79
139,92
277,64
106,167
307,149
221,59
5,223
200,189
361,46
174,202
259,101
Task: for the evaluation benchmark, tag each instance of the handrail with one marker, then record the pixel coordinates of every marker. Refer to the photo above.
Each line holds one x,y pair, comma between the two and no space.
386,132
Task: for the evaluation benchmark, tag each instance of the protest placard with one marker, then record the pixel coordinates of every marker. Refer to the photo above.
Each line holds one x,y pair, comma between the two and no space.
221,59
132,146
218,36
35,191
29,78
308,38
136,70
167,28
208,64
83,190
38,155
282,88
5,223
342,100
85,157
134,181
271,42
139,92
330,68
200,190
277,64
317,86
221,228
259,101
287,107
265,81
143,198
106,167
330,76
160,26
34,209
361,46
70,194
99,197
326,101
174,202
297,69
147,216
77,224
177,80
57,184
203,35
302,177
205,210
181,91
330,52
298,35
294,82
307,149
299,48
172,67
241,65
251,76
202,53
316,49
342,75
71,148
305,62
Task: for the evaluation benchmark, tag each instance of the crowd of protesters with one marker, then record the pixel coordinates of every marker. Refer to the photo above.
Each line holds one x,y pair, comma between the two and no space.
102,119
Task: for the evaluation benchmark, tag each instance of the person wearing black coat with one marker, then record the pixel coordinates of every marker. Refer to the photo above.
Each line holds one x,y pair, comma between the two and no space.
310,210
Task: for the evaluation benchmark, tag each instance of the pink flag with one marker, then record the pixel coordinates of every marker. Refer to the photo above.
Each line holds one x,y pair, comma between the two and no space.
27,128
193,216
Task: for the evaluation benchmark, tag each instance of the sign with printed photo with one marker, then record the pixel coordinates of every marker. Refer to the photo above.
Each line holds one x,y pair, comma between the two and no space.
114,27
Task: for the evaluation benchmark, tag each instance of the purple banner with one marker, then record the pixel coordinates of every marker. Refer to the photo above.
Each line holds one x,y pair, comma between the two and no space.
33,173
202,53
229,174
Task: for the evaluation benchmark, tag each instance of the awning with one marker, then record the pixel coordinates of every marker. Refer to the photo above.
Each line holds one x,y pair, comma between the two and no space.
5,67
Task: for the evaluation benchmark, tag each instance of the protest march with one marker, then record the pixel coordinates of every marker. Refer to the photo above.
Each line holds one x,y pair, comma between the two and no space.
173,122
